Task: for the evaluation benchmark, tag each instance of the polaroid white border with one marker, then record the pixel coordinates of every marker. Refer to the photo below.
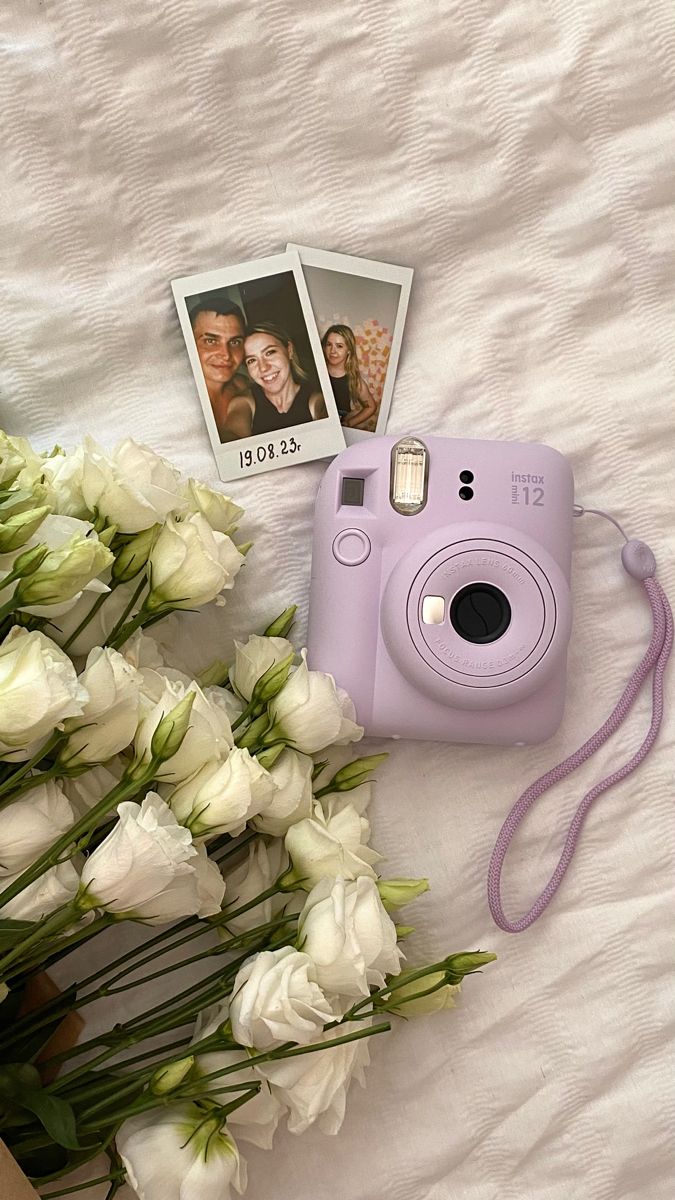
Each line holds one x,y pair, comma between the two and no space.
266,451
368,268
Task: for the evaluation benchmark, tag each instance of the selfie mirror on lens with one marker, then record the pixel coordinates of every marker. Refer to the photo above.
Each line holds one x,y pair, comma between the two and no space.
440,594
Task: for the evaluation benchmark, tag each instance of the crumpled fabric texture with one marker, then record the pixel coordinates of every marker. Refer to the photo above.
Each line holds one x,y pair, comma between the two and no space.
520,156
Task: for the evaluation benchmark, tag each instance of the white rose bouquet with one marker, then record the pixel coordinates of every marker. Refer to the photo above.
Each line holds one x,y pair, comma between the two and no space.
215,810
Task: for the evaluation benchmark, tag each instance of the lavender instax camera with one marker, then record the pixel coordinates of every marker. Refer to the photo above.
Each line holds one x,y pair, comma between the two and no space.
440,594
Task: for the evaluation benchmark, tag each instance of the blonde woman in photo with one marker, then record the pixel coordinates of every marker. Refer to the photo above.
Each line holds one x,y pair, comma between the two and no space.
353,398
282,394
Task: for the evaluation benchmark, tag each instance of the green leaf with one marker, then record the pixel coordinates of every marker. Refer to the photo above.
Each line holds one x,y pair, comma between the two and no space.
55,1114
20,1086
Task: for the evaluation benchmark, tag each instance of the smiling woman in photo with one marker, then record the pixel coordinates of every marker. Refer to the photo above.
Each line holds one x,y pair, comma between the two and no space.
282,393
353,398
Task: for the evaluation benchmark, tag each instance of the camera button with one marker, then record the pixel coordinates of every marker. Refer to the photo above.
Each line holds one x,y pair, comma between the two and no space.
351,547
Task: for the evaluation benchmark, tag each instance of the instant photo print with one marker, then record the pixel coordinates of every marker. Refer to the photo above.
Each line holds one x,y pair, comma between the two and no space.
258,365
360,308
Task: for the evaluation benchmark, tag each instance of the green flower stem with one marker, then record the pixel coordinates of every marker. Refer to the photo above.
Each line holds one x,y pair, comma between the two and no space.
27,766
8,608
46,929
76,837
149,1102
195,1090
291,1050
203,926
243,716
220,854
120,623
83,1187
212,952
28,783
393,986
80,937
187,1005
100,600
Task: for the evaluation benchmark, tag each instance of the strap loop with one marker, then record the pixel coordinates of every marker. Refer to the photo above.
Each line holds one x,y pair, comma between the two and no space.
639,562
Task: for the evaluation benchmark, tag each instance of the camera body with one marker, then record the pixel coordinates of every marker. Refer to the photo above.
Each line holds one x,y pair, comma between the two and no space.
440,595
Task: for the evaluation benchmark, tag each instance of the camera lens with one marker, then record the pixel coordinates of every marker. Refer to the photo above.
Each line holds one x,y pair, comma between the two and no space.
466,476
466,493
480,613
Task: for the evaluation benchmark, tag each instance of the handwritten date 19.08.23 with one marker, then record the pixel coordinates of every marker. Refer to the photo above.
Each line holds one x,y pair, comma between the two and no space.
270,451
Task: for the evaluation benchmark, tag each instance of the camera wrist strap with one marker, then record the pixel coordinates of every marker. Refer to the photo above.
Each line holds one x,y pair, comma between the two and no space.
639,562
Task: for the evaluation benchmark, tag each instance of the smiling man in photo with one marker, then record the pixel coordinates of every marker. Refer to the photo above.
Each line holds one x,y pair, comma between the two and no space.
218,327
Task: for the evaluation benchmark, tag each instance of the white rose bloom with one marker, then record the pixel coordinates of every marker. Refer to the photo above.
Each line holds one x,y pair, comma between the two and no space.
331,845
263,866
175,1153
225,699
350,937
314,1086
253,658
31,824
200,893
58,886
257,1120
209,734
133,488
190,564
70,571
149,869
141,650
292,799
38,690
12,460
221,513
275,999
111,714
62,475
311,712
221,796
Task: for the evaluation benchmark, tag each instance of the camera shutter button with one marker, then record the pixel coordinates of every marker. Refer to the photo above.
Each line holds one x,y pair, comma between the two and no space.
351,547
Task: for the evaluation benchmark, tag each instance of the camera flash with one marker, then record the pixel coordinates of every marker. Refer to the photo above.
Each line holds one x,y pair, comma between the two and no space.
409,474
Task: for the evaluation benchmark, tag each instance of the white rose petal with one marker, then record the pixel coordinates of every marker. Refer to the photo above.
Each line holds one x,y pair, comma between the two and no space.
190,564
31,824
314,1086
111,714
174,1153
85,790
148,867
253,658
311,712
62,474
221,513
292,799
349,936
133,488
221,796
262,867
275,999
331,845
209,734
38,690
58,886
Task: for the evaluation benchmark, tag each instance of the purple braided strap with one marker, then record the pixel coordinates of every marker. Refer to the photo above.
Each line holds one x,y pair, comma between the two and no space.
655,660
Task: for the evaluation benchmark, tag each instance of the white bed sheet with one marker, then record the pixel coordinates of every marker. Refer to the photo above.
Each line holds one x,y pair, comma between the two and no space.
520,155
